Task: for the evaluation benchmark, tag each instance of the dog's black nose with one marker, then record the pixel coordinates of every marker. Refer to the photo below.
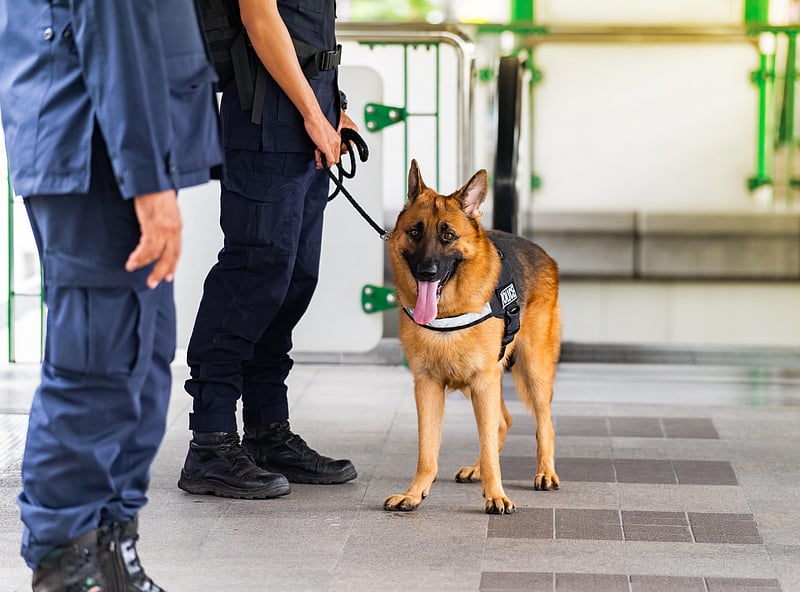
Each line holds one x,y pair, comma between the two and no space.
427,272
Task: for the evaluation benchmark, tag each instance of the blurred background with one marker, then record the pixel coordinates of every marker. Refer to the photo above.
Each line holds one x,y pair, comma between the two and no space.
651,148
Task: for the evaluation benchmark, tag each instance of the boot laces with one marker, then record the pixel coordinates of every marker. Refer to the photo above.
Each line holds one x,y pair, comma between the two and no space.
233,449
127,548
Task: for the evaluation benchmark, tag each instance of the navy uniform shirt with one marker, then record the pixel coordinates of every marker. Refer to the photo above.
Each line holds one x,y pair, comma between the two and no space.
312,22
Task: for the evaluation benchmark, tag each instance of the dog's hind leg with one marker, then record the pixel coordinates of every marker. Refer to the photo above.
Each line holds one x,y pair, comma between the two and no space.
534,372
429,397
472,473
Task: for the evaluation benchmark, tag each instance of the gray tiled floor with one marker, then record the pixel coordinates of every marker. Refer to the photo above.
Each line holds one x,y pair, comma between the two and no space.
673,478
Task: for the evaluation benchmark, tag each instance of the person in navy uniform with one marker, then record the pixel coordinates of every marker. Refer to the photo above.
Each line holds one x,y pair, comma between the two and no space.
272,204
108,109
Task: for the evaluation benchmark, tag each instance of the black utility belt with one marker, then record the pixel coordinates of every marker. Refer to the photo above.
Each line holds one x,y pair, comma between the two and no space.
318,61
252,96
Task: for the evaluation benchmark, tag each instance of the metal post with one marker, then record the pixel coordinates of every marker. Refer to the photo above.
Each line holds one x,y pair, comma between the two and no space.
789,82
764,78
756,12
522,11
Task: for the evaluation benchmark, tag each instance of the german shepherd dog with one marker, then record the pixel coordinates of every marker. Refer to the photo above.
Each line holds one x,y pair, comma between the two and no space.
447,270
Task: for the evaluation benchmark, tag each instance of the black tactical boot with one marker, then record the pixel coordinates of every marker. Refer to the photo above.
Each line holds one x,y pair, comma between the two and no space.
117,556
276,448
71,568
218,465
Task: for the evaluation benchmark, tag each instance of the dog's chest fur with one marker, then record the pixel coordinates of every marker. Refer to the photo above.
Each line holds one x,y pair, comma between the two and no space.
454,357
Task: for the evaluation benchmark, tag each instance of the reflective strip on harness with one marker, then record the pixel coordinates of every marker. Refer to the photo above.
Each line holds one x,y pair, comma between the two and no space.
504,304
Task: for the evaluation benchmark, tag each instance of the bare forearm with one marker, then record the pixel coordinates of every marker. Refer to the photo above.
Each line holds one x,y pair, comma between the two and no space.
271,40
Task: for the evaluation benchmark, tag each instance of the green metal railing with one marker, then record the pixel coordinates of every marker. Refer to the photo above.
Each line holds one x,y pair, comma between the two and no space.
409,36
777,56
13,292
379,116
775,120
11,295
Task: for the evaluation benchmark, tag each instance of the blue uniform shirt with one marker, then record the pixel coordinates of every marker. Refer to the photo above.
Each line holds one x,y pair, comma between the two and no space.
136,68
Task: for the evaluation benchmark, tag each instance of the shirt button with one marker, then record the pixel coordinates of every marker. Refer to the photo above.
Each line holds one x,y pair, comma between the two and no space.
48,34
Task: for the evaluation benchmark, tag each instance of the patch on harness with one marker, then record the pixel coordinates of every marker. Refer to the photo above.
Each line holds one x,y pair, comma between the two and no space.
508,294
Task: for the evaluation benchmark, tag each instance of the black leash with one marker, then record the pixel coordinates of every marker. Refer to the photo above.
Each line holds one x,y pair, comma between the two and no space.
353,140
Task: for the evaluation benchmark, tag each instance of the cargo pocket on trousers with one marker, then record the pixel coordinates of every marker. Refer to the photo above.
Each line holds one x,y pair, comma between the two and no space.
93,331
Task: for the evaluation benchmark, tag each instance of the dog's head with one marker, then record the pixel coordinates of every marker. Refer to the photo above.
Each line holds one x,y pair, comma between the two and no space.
434,236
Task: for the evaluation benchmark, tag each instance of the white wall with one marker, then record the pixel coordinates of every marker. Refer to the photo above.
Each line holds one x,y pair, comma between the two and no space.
648,126
681,313
640,11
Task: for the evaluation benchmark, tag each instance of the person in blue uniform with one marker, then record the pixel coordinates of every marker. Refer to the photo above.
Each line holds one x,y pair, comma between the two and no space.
272,204
108,108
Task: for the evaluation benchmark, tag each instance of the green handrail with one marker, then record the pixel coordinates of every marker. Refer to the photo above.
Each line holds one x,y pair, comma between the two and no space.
10,304
764,78
13,294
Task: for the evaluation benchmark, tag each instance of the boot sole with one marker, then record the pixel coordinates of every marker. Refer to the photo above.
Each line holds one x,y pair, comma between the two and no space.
220,489
312,478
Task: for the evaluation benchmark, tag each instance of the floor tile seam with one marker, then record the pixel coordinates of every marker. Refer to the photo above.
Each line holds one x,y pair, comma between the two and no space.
346,542
218,524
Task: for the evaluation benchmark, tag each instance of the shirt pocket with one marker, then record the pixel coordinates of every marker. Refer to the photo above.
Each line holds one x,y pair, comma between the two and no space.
192,109
189,75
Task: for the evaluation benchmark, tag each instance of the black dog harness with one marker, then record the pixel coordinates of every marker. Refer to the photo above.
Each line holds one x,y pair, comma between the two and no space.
504,304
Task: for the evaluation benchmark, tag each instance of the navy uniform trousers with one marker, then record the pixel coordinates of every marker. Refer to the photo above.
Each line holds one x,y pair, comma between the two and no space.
272,207
99,414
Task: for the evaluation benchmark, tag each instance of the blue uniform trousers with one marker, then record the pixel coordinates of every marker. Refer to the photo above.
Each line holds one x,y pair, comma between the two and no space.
272,207
99,414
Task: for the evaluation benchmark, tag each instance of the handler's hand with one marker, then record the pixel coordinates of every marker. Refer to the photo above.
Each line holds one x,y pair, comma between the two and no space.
326,139
160,240
345,121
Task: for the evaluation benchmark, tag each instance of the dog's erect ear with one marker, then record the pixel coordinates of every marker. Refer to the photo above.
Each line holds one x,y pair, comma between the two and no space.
474,193
415,183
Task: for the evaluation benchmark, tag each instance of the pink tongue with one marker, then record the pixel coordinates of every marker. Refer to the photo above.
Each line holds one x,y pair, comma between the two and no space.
425,310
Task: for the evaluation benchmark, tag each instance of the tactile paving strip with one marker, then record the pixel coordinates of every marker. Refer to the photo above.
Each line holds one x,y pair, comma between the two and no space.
622,427
620,470
616,525
496,581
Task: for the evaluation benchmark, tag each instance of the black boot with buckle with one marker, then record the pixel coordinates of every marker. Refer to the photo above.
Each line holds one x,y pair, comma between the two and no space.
217,464
72,567
119,560
275,448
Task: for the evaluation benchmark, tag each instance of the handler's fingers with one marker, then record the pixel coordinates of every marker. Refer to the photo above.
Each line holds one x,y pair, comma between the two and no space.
160,240
165,254
164,268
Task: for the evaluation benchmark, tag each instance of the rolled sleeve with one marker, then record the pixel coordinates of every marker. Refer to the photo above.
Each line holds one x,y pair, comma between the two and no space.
122,55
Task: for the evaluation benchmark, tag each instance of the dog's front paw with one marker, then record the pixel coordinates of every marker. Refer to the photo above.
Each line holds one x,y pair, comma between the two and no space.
499,505
401,502
469,474
545,481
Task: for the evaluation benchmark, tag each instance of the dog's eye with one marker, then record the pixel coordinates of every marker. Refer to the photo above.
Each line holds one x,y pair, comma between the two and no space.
449,236
414,233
